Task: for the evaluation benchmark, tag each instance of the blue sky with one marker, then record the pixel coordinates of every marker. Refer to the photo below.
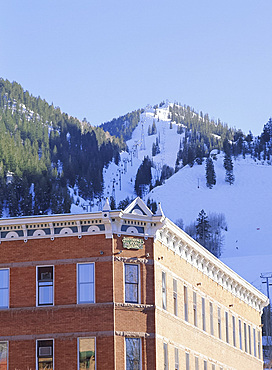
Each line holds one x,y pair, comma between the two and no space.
102,59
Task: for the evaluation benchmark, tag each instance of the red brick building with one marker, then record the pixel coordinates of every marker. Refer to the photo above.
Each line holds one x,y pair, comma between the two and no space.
82,292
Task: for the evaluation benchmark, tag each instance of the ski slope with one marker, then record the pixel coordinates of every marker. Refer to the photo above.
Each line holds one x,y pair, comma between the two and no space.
247,204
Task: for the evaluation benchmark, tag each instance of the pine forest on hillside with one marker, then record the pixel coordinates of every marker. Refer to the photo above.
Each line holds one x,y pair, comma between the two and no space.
47,155
43,151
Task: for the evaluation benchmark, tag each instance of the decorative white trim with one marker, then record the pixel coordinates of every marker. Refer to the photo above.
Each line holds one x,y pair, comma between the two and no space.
199,257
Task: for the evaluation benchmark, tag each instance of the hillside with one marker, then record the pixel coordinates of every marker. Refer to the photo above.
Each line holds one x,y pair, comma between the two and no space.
53,163
246,204
43,151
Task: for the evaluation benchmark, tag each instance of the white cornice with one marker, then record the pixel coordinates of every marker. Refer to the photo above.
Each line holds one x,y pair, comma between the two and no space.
198,256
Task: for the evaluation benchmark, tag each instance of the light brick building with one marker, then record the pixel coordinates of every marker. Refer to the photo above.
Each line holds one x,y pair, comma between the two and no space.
120,290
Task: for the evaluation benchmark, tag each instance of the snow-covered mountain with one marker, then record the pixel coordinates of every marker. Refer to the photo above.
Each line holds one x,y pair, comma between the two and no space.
246,204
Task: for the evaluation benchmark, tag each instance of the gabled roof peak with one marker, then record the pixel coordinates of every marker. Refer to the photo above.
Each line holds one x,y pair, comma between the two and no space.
138,207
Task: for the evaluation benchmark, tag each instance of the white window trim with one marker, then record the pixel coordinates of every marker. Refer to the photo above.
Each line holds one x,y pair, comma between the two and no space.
42,339
140,350
6,308
78,350
37,287
77,282
139,281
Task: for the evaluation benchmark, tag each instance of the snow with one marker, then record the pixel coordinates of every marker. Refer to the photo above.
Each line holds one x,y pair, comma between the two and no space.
247,204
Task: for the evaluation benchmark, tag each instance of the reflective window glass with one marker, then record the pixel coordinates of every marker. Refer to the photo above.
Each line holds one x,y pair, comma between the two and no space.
86,283
131,283
3,355
86,353
4,288
133,353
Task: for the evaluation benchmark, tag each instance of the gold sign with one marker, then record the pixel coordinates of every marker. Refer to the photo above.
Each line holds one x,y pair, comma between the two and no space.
133,243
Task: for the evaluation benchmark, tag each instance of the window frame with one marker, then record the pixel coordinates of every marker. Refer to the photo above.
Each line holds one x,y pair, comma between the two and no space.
187,360
78,339
7,343
203,311
141,349
164,290
195,308
175,296
53,352
240,334
245,336
233,330
254,342
8,288
249,340
259,344
219,323
176,358
196,363
78,283
211,319
227,326
37,286
165,356
185,303
138,283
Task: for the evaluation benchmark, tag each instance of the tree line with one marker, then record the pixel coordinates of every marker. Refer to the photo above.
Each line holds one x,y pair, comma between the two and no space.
43,152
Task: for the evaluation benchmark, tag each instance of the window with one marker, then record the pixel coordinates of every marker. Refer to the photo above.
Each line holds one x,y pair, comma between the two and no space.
187,361
203,315
133,353
254,342
132,283
176,359
213,366
165,356
245,336
195,308
196,363
219,322
185,303
85,278
45,286
240,335
3,355
45,354
175,297
4,288
205,365
163,290
211,318
233,331
259,345
249,339
86,353
227,326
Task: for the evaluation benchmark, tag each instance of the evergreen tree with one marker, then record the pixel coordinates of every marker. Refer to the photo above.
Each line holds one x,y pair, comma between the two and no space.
203,228
154,128
112,203
210,173
143,177
124,203
228,165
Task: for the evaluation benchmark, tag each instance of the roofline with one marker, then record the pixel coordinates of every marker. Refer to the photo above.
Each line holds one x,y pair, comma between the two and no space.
198,252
